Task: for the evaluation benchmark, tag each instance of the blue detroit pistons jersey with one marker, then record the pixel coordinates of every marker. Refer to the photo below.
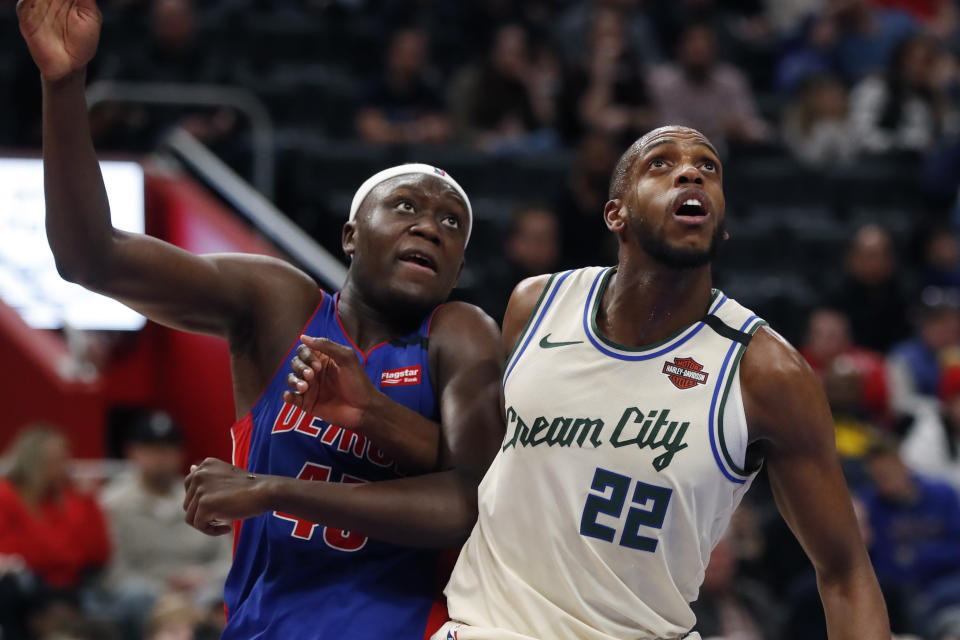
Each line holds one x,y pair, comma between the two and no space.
294,579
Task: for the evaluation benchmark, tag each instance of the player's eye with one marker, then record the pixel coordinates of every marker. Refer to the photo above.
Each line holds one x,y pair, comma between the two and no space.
451,221
657,163
709,165
406,205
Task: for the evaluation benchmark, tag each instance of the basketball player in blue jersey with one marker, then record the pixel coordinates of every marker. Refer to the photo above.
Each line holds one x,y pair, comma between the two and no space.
421,390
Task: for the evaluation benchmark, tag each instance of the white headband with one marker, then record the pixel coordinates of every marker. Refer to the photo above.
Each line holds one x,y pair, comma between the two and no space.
406,169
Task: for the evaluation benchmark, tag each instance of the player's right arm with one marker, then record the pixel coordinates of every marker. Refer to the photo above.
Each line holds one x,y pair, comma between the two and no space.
789,419
218,295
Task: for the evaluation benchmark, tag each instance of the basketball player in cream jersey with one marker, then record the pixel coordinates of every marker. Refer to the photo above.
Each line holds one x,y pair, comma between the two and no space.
640,403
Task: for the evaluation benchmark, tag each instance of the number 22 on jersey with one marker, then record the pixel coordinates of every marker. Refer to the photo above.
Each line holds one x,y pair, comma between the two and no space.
608,494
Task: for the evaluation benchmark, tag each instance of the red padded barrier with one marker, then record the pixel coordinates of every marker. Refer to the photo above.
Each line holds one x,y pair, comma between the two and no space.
187,375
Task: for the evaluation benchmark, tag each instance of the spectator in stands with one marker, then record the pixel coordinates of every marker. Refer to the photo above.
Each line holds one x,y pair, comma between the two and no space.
173,618
50,612
405,105
175,52
155,551
938,17
531,247
816,127
941,258
908,108
606,89
809,52
743,28
83,629
786,16
503,104
932,444
700,91
18,587
731,605
915,523
828,344
59,532
586,239
866,36
916,364
870,288
574,30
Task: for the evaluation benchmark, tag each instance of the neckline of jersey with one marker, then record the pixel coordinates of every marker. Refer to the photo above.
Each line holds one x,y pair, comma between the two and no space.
593,305
363,356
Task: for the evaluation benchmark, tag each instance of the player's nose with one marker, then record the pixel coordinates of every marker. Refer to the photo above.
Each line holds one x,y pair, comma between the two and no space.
426,227
688,174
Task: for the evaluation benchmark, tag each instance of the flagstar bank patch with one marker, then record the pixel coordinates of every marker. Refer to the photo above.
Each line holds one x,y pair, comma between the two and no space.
400,377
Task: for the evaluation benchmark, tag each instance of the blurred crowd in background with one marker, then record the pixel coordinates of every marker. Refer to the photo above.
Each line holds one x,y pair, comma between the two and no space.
839,123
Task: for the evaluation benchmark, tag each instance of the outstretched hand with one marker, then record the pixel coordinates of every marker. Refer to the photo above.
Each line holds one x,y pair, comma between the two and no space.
62,35
219,493
329,382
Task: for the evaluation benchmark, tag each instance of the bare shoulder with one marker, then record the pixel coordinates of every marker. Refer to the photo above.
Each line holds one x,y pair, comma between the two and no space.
783,397
459,329
263,271
771,362
524,299
279,297
528,292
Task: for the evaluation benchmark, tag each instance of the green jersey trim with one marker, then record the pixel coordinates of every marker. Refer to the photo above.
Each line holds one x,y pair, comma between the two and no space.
734,371
595,306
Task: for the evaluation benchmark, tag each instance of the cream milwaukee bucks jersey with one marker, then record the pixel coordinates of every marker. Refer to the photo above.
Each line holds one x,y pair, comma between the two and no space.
618,474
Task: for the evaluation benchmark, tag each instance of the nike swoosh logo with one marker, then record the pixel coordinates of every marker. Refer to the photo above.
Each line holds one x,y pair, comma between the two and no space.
546,344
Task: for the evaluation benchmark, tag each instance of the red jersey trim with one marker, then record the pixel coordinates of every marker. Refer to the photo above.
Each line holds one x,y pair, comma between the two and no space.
240,436
296,342
438,612
430,324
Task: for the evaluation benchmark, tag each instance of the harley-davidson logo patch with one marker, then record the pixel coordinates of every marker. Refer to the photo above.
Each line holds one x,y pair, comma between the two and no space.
685,373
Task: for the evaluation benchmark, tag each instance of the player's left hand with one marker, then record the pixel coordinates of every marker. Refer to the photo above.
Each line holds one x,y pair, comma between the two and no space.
329,382
219,493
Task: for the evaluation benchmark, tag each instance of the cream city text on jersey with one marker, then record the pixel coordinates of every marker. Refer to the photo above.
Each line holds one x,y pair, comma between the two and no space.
653,430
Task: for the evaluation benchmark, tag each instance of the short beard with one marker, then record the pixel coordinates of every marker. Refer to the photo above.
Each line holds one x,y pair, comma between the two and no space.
681,259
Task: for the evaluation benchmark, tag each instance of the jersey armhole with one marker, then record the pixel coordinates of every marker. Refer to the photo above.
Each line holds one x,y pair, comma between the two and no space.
283,361
731,437
536,317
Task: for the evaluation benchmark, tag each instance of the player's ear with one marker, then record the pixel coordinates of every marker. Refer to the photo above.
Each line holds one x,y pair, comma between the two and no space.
348,238
615,215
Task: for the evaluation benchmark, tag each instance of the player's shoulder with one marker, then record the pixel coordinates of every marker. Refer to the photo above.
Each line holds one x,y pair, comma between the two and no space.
530,289
777,384
523,301
771,364
270,282
526,295
259,267
458,325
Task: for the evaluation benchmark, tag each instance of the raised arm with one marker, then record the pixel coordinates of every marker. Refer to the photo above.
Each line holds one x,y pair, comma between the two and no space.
213,294
433,510
789,418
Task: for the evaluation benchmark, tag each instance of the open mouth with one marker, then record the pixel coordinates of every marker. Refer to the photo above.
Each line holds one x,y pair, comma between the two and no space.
419,259
691,208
